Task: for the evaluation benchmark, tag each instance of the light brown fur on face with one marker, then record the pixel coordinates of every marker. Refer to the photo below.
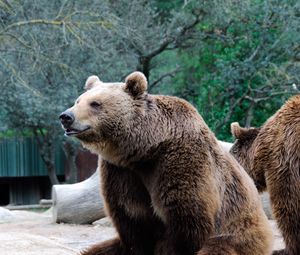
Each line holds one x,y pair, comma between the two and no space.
272,159
168,186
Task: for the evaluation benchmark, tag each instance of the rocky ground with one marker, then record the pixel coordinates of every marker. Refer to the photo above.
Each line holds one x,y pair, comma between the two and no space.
33,233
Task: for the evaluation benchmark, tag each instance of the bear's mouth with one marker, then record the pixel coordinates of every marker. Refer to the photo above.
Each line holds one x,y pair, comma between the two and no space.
73,131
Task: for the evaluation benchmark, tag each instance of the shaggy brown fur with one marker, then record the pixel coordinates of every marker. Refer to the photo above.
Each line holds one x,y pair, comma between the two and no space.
271,156
168,186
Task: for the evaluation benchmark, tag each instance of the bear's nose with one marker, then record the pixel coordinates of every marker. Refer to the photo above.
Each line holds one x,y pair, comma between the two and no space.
66,118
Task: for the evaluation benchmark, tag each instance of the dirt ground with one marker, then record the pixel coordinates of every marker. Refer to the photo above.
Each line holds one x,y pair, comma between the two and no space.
32,233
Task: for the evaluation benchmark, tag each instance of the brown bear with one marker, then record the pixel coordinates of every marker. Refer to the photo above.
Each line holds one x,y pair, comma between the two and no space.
168,186
271,156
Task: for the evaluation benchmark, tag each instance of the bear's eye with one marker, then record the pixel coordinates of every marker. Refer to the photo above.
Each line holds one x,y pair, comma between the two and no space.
95,104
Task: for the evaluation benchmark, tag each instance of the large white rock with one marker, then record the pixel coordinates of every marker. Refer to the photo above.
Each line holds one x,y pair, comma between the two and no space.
225,145
78,203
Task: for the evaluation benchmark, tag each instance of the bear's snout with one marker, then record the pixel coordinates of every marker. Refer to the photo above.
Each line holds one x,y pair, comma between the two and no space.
66,118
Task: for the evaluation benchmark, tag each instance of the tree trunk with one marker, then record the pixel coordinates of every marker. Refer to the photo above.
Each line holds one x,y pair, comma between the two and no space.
249,115
47,151
52,173
78,203
70,153
144,66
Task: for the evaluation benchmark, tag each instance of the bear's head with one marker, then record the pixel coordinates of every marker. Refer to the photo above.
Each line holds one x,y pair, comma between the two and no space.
106,112
244,140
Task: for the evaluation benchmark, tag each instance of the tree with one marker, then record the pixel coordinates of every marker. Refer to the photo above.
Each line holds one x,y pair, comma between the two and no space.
147,31
244,68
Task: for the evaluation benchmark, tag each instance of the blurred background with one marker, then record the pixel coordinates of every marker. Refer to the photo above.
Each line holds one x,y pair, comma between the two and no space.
234,60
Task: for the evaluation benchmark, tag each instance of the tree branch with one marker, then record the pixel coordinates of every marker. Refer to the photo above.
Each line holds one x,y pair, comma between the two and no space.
169,40
168,74
59,23
19,78
230,112
257,100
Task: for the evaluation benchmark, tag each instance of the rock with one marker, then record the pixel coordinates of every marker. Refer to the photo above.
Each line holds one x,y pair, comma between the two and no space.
265,199
6,215
78,203
104,222
226,146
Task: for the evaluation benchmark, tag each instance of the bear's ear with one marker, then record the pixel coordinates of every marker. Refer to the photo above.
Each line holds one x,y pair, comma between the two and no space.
243,133
136,84
237,131
92,82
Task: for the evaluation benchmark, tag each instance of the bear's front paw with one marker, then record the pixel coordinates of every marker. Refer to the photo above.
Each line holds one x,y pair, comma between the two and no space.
110,247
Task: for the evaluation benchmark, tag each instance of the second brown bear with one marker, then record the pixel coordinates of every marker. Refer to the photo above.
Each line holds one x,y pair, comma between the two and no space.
271,156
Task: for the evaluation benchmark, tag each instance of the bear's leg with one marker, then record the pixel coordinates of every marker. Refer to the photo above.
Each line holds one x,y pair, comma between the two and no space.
250,241
187,229
137,238
221,245
279,252
285,201
129,206
189,214
218,245
138,235
188,225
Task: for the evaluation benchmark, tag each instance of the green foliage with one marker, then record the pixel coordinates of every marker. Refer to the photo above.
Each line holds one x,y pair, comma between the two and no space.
10,133
245,69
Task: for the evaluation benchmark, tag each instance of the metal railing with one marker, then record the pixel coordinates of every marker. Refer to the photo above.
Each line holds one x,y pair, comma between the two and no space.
19,157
